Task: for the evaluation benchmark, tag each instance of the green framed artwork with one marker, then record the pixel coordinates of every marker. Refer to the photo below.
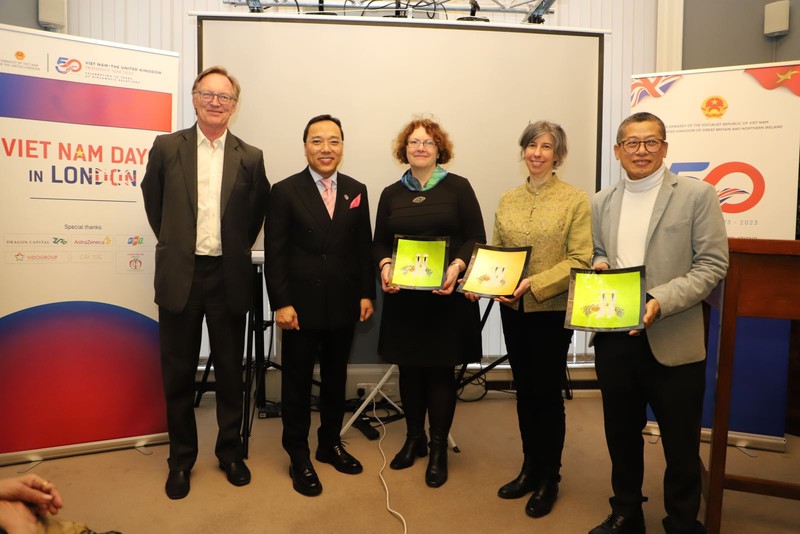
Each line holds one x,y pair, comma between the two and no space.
606,301
419,262
495,271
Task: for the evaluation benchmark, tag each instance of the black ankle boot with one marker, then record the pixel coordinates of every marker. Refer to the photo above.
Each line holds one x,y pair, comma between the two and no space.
544,496
413,447
521,485
436,474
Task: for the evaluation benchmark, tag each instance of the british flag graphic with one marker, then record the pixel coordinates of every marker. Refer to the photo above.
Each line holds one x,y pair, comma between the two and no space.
656,87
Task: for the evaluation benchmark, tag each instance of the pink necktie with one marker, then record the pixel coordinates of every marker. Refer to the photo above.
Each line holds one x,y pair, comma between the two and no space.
328,196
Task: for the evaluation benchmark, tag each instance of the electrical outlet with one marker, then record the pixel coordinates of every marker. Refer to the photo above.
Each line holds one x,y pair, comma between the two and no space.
366,386
388,388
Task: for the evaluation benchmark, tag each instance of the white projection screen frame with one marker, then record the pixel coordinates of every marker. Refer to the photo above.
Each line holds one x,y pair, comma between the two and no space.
482,82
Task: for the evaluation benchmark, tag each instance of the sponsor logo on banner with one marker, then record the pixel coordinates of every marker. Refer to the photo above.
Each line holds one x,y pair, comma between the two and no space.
99,256
133,263
19,55
136,240
65,65
36,257
22,240
91,241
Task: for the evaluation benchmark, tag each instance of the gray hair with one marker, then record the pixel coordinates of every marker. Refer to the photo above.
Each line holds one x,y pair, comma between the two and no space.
538,128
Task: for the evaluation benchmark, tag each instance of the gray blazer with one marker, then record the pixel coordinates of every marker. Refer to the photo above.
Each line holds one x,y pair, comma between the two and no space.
686,257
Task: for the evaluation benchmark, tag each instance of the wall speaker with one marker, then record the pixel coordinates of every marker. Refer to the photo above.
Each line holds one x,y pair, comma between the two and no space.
776,18
53,14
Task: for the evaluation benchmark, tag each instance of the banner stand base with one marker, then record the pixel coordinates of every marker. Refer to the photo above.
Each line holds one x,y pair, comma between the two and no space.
50,453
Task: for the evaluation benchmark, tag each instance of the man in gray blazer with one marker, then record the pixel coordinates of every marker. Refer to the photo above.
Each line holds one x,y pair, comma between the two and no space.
321,282
674,227
205,194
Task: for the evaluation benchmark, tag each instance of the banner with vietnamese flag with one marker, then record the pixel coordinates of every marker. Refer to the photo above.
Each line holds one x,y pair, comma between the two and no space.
738,128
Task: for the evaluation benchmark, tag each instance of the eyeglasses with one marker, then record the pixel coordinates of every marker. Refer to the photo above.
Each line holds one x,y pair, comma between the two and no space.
222,98
631,146
316,142
416,143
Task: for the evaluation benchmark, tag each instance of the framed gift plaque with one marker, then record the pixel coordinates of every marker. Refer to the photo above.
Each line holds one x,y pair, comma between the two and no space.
419,262
606,301
495,271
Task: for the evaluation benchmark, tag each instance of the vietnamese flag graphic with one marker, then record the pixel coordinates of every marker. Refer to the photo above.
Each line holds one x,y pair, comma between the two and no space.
773,77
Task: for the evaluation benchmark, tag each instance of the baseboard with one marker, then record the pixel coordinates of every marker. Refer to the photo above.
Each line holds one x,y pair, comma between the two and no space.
582,377
735,439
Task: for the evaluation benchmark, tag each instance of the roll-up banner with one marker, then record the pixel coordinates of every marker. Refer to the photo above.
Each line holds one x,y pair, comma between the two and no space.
738,128
79,357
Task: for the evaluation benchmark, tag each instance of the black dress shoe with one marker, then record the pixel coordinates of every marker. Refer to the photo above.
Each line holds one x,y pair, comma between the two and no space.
544,497
339,458
237,472
177,486
413,447
621,524
304,478
520,486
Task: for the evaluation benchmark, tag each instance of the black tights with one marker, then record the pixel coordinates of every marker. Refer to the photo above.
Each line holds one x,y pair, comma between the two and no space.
430,390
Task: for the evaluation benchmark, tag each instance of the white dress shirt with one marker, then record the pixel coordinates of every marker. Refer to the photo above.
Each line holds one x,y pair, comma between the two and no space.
210,157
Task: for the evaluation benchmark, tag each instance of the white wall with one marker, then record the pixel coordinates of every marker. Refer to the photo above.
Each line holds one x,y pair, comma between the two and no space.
630,49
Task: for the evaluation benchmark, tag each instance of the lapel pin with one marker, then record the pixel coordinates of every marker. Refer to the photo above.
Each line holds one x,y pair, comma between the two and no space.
347,197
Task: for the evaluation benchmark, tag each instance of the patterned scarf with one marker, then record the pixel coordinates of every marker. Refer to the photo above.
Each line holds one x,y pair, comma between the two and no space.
412,184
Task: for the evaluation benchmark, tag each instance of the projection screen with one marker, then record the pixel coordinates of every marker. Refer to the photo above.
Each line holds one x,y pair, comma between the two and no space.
483,82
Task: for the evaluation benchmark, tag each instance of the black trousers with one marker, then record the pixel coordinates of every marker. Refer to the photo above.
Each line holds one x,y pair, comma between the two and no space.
180,337
631,378
431,391
537,345
301,350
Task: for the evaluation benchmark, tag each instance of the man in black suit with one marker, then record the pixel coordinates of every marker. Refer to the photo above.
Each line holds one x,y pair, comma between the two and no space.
320,281
205,194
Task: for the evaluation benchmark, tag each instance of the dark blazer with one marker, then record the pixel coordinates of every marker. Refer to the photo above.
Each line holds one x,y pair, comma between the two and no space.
319,265
170,200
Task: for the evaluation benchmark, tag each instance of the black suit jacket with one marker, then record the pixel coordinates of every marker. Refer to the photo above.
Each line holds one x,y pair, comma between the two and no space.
170,200
319,265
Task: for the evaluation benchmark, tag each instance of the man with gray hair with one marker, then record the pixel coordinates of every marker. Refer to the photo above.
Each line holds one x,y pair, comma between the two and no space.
674,227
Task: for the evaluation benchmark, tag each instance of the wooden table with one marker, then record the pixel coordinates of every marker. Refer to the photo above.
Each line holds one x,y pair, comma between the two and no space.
762,281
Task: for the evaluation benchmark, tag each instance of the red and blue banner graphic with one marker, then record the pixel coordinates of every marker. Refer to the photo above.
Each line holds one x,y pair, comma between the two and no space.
43,99
88,368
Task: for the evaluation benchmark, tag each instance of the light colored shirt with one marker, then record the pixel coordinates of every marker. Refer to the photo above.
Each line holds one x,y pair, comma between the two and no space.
210,157
556,223
318,180
634,217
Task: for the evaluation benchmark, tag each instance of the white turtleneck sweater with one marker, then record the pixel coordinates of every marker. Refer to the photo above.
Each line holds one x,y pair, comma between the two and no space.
634,219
